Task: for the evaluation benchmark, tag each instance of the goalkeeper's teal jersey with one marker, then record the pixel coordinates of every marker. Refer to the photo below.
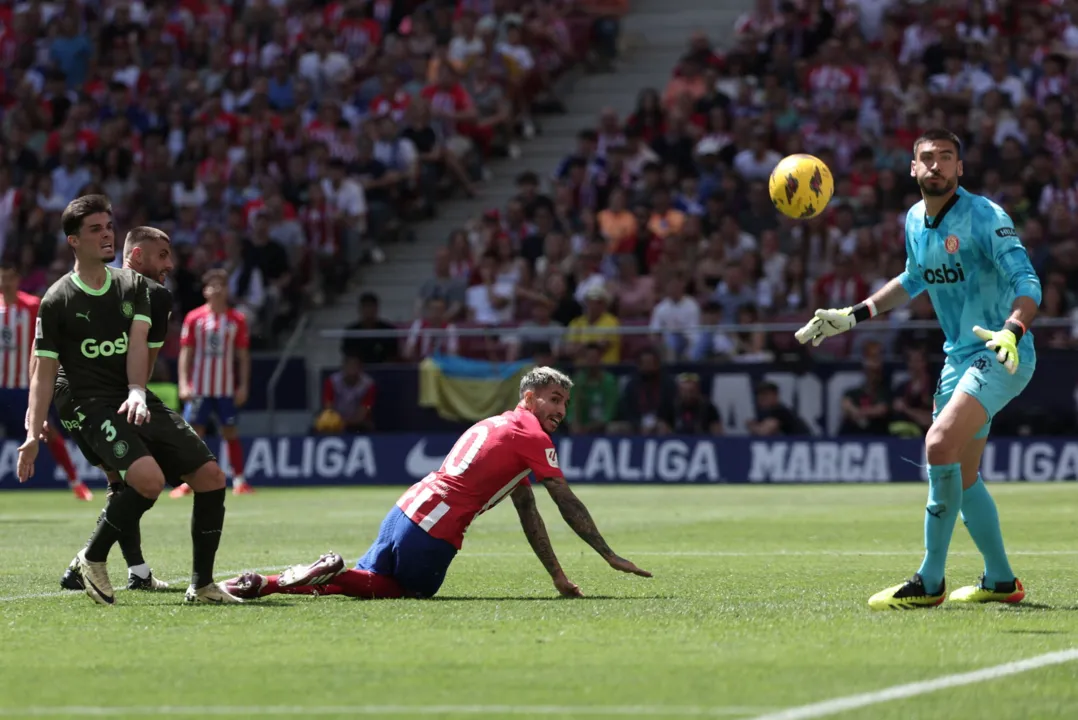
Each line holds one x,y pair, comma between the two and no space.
973,265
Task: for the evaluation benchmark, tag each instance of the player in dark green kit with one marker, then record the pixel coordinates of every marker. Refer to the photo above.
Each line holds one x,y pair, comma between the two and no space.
148,251
95,321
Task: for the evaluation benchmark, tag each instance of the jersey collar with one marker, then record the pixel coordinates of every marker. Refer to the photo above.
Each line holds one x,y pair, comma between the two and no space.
935,223
89,290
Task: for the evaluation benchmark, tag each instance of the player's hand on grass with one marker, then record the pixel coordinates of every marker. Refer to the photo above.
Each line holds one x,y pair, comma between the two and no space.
1003,343
626,566
27,455
135,405
825,324
566,587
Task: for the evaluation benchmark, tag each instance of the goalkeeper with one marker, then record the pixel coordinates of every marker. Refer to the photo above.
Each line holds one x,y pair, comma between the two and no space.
963,249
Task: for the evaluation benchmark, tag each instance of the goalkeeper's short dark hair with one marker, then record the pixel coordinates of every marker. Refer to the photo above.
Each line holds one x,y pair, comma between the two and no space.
936,135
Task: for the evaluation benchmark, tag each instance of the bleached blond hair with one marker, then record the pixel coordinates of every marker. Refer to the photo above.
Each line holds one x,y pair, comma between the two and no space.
539,377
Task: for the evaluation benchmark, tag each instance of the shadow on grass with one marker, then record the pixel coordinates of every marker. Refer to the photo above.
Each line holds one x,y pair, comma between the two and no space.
545,598
262,603
1035,632
1036,607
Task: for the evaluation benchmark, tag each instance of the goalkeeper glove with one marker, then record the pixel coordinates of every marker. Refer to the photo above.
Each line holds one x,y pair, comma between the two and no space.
825,324
1004,343
828,323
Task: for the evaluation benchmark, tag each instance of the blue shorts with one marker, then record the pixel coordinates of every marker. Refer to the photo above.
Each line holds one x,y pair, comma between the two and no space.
199,410
405,552
983,377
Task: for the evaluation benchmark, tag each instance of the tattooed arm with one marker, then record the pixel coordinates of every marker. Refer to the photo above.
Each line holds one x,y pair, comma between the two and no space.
535,531
576,515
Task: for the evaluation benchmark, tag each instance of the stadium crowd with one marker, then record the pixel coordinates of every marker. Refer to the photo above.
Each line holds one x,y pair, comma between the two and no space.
283,140
661,218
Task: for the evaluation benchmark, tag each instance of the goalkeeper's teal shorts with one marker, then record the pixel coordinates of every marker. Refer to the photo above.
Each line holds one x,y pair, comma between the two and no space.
985,378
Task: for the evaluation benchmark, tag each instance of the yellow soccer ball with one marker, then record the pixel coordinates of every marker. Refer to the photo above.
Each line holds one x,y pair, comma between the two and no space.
801,186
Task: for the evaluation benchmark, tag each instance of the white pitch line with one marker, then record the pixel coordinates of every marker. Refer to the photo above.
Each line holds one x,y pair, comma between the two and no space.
65,593
902,692
382,710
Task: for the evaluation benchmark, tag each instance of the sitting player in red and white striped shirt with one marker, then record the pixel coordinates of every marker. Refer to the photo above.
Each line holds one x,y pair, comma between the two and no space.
18,314
423,532
214,344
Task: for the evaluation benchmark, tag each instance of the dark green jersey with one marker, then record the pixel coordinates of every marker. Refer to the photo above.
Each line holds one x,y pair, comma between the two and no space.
160,314
88,330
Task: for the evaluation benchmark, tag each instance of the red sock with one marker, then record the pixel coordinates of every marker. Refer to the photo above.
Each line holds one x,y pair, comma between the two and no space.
353,583
367,585
235,457
63,459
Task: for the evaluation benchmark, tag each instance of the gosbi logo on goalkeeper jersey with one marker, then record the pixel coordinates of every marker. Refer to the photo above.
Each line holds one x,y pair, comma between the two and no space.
945,274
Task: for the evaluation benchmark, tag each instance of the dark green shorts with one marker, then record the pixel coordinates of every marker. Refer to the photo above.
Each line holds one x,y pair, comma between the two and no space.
108,441
71,423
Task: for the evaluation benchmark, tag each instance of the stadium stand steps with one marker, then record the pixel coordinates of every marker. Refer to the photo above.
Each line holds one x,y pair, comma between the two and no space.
654,35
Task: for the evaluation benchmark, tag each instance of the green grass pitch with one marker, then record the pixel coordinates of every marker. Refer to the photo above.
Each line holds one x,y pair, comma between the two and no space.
758,605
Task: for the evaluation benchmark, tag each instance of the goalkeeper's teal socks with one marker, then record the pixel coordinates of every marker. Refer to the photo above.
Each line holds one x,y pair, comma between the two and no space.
981,519
944,503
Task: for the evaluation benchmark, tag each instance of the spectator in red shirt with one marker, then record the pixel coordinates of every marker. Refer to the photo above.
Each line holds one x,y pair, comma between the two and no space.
841,287
351,393
452,109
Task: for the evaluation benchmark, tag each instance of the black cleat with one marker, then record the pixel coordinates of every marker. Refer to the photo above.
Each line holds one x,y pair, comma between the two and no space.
72,579
134,582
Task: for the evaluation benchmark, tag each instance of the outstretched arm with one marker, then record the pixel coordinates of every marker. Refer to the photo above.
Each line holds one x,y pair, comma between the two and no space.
897,292
576,515
535,531
887,298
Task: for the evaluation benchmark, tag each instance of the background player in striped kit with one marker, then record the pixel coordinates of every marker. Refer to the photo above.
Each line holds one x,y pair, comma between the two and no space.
215,371
18,313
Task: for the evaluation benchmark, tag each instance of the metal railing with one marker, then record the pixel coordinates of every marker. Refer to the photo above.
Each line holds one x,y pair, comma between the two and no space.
470,330
287,353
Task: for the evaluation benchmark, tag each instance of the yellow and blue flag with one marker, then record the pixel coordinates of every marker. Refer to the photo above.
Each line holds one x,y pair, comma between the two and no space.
465,389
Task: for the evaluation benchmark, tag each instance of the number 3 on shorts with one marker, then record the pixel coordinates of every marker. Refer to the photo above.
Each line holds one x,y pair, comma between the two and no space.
109,430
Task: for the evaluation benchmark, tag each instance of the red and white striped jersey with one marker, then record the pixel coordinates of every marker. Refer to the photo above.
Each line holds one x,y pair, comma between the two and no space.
16,338
489,460
214,339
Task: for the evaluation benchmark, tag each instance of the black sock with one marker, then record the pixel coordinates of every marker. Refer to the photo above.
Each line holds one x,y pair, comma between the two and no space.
131,545
121,515
207,519
114,490
100,519
130,542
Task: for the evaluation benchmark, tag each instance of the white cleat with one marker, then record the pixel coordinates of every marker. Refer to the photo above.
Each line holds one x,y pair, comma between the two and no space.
212,594
320,572
95,579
